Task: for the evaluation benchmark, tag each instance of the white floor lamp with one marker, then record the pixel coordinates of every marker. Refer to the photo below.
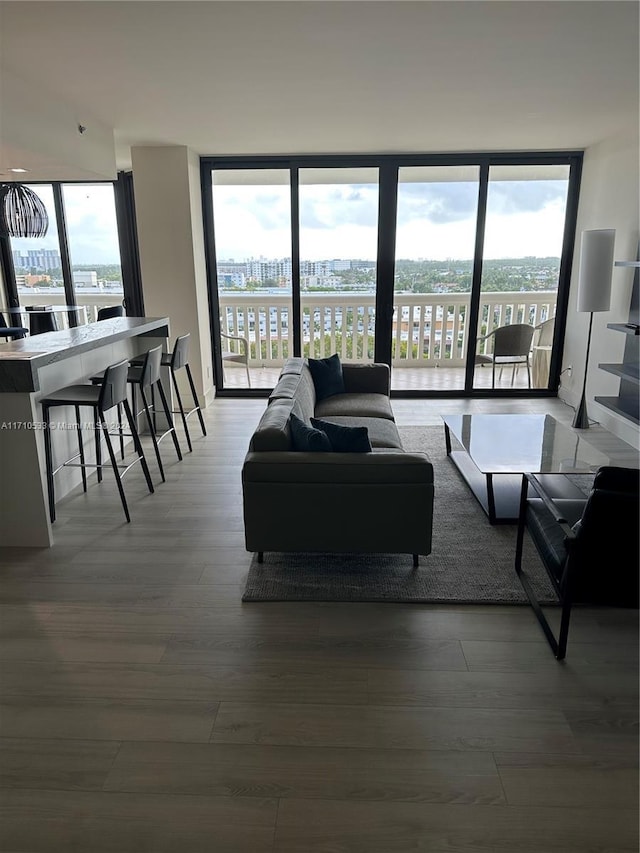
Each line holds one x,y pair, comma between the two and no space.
594,294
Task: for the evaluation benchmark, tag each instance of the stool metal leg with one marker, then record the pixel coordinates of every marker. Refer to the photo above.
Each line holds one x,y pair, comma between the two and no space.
195,398
114,463
120,431
49,462
96,430
154,438
167,412
137,444
181,407
81,449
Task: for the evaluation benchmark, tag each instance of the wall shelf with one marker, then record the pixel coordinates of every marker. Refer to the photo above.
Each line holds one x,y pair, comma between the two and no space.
628,408
626,329
627,401
630,372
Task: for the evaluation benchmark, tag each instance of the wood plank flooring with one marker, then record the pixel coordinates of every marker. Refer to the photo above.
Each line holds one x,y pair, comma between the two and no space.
145,708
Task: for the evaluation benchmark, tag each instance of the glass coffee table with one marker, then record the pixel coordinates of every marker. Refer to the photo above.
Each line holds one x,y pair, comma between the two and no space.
496,450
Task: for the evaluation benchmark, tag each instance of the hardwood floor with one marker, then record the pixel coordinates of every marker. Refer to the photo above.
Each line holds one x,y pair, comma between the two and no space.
145,708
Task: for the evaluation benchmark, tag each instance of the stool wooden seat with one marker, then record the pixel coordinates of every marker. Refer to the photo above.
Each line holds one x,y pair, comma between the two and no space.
100,398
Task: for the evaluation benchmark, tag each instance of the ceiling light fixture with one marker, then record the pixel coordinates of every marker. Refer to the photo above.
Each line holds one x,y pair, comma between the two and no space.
22,212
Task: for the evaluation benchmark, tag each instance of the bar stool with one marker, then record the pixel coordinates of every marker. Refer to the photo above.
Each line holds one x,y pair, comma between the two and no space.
41,319
100,399
175,361
146,376
178,359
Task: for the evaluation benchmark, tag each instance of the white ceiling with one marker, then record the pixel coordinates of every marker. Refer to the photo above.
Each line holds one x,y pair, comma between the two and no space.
334,77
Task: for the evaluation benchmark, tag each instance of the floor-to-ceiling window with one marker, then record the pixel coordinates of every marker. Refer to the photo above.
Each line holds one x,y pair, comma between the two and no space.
75,269
338,249
524,229
408,259
252,216
435,238
94,250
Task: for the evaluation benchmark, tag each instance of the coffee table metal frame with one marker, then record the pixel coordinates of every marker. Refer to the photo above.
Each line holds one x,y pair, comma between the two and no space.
498,492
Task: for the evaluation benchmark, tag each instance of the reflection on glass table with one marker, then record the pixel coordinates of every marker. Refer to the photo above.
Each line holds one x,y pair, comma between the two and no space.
495,450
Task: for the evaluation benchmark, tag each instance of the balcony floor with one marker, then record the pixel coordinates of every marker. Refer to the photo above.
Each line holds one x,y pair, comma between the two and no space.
402,378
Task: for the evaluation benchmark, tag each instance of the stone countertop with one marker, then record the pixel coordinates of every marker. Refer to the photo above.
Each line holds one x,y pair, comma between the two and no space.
20,360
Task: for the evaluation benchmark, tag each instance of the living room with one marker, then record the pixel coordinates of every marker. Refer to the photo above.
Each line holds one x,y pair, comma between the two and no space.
147,706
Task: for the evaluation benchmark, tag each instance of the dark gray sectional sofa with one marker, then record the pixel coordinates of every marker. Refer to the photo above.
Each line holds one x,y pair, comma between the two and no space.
375,502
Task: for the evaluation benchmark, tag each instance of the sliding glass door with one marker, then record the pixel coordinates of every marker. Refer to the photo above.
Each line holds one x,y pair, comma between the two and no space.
525,221
408,260
338,248
252,220
435,238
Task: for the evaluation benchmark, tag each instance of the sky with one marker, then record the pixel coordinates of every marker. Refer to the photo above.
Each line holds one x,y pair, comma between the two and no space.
436,221
91,224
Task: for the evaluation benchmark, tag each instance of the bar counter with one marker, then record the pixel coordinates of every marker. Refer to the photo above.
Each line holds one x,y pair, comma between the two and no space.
31,368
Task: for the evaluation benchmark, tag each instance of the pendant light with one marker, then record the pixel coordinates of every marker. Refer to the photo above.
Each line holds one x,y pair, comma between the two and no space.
22,212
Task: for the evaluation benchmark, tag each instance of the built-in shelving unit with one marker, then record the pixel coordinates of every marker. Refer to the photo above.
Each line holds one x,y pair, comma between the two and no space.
627,402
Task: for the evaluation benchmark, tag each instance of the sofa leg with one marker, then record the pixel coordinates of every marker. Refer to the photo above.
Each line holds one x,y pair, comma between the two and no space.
261,556
415,561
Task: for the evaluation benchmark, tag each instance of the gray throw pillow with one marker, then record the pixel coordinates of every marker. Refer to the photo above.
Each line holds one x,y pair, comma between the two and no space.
304,437
344,439
327,376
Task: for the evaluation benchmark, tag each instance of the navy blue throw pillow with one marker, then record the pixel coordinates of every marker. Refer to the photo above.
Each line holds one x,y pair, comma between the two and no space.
304,437
327,376
344,439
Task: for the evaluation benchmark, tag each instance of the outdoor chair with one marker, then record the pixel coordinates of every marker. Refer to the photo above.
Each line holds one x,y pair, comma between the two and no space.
589,548
239,355
510,345
541,349
544,333
11,332
41,319
109,312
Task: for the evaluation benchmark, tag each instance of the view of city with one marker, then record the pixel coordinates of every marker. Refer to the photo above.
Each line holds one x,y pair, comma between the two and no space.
411,276
40,270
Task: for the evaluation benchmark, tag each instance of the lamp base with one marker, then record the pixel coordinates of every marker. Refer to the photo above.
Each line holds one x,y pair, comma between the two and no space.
581,419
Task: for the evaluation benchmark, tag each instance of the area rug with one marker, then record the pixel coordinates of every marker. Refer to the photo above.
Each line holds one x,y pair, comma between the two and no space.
471,561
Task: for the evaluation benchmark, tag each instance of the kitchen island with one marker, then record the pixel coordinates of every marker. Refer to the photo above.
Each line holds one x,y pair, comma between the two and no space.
32,368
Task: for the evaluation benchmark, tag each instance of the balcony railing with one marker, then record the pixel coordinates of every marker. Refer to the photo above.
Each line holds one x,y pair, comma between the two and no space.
428,330
91,300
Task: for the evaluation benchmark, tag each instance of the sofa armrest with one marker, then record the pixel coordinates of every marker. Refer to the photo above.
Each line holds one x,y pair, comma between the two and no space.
372,378
376,468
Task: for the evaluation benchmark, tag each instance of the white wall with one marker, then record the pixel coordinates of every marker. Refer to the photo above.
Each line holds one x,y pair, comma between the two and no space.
170,233
609,198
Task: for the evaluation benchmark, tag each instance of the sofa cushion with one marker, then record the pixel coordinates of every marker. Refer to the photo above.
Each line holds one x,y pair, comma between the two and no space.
298,387
327,376
344,439
383,433
305,437
272,432
355,405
